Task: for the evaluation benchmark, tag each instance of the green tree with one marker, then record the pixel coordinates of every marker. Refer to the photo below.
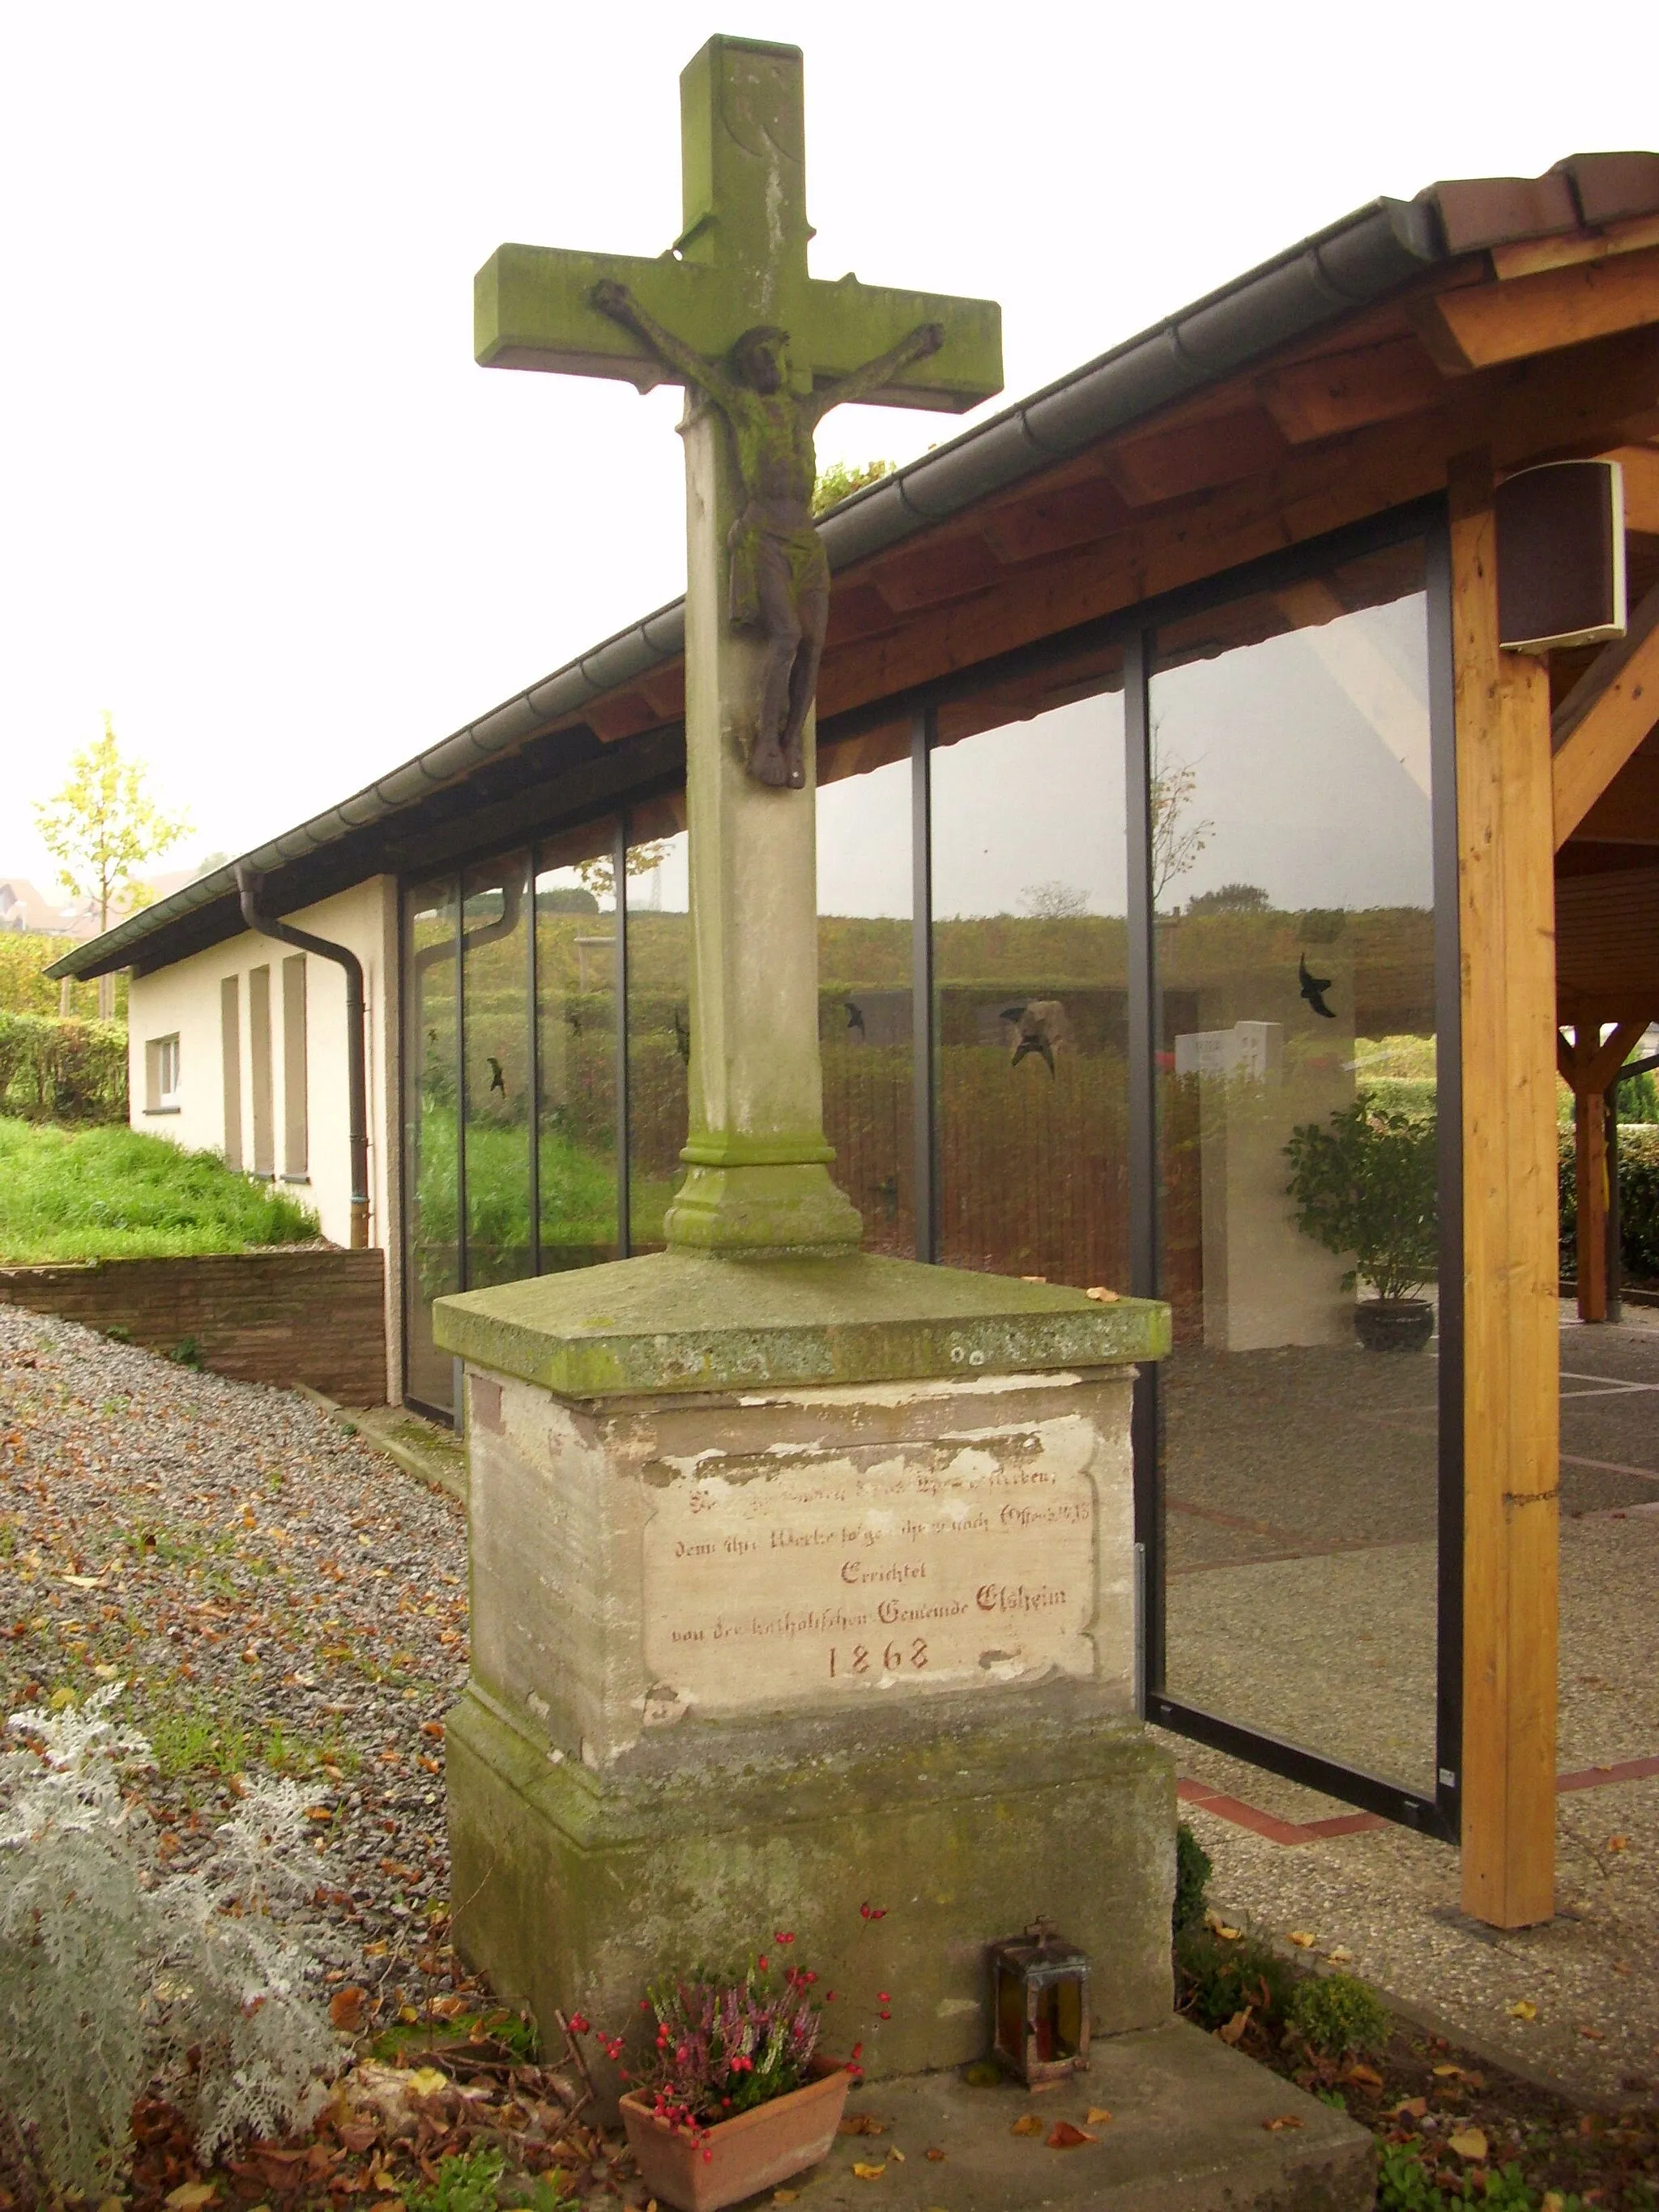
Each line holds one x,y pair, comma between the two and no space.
103,826
839,481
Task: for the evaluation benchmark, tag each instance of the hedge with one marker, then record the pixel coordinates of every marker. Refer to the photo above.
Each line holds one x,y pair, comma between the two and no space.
63,1070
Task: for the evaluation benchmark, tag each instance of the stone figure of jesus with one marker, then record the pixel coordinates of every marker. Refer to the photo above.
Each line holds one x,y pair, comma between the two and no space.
779,576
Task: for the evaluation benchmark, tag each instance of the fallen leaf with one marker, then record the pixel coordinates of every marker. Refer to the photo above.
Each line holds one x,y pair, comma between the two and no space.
785,2196
1469,2142
1302,1939
1367,2076
377,1950
1593,2034
868,2173
983,2074
96,1582
1101,1296
345,2009
1284,2120
937,2156
861,2123
895,2152
1409,2108
426,2080
1449,2073
1097,2116
1217,1926
192,2196
1618,1843
105,1675
410,2015
1028,2123
1340,1954
1064,2136
1523,2008
1230,2031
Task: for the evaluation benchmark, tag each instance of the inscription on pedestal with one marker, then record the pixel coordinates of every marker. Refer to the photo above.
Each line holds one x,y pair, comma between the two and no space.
876,1569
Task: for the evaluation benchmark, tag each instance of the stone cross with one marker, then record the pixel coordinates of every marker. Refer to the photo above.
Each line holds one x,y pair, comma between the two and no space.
759,1164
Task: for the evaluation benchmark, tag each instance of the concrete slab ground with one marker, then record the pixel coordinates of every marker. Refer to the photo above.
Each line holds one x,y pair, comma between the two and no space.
1194,2128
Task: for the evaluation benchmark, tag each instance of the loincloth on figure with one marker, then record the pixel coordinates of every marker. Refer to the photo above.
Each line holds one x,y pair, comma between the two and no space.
764,546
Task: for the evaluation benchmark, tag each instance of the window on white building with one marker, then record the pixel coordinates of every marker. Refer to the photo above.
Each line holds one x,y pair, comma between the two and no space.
161,1075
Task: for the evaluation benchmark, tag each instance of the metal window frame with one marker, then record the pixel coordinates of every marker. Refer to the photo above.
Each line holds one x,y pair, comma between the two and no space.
1437,1814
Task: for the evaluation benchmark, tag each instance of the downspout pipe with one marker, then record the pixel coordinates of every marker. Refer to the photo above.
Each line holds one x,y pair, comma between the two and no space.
250,886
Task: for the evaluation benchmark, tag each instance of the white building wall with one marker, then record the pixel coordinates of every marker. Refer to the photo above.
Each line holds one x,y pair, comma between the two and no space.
184,999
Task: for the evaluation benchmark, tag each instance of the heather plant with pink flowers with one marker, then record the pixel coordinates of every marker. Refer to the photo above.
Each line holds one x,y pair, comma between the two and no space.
722,2045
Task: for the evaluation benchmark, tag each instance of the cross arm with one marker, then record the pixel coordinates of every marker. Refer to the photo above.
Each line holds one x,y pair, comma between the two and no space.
533,309
845,327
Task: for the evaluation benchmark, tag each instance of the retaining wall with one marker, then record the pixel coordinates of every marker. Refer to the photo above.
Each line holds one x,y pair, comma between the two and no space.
281,1317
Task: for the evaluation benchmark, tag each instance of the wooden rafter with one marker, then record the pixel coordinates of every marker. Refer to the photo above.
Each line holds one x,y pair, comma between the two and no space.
1609,712
1480,326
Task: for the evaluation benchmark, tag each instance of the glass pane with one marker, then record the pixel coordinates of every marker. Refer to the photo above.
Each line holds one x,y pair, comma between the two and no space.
863,862
431,1261
495,958
658,1019
576,1047
1294,935
1030,1002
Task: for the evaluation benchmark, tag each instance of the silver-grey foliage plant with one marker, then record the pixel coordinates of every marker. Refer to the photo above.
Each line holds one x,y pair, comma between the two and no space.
110,1971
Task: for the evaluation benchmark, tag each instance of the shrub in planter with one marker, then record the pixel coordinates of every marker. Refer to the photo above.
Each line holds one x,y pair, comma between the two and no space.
1367,1184
734,2096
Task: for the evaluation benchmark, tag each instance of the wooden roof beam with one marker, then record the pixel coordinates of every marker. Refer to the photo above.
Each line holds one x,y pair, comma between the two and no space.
1478,325
1608,713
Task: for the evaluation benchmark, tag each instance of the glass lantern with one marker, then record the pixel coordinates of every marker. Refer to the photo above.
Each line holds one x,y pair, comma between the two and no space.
1040,2004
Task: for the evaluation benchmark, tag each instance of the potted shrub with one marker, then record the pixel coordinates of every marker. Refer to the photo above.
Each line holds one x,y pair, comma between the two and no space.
734,2096
1367,1184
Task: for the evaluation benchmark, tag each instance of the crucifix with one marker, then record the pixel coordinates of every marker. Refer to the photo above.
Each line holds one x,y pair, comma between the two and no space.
763,349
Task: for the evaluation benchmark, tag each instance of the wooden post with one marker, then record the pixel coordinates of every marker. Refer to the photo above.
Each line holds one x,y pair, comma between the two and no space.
1589,1119
1506,902
1589,1068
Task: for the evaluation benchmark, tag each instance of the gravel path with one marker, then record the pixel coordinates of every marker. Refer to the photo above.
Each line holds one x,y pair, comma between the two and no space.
276,1594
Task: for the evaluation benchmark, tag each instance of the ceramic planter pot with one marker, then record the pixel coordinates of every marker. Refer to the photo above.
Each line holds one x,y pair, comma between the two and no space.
752,2151
1394,1324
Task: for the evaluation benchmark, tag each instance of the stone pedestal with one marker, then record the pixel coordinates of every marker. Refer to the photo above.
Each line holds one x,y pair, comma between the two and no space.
800,1585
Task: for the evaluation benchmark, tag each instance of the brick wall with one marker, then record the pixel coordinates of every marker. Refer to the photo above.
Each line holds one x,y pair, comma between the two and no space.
281,1317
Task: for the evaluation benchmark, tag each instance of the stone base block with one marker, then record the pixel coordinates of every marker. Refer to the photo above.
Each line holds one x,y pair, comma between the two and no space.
575,1888
1189,2132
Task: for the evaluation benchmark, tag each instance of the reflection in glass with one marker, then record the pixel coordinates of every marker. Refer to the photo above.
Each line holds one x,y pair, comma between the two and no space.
576,1011
1029,984
432,1262
496,1089
659,1020
1294,943
864,872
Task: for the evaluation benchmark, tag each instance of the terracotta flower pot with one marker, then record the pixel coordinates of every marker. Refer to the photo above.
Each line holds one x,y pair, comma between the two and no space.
738,2157
1394,1324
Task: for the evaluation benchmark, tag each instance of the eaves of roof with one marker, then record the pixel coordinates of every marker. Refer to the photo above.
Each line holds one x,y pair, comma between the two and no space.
1352,265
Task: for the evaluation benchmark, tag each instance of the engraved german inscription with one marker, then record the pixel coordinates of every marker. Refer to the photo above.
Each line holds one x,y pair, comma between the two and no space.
770,1579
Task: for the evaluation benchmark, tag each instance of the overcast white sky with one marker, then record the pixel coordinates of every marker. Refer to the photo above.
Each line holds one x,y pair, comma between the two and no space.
256,499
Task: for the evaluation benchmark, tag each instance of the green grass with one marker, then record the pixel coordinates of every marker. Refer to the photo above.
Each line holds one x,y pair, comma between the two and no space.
116,1195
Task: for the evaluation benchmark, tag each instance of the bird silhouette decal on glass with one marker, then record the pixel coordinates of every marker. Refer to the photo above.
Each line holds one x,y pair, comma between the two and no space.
498,1080
1314,989
854,1018
1034,1026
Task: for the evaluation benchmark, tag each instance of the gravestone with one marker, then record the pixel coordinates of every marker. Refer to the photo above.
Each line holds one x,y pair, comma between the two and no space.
802,1579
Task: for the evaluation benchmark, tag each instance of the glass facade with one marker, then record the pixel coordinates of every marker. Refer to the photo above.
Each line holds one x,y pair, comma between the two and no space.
865,1020
1031,1015
1131,961
1292,882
